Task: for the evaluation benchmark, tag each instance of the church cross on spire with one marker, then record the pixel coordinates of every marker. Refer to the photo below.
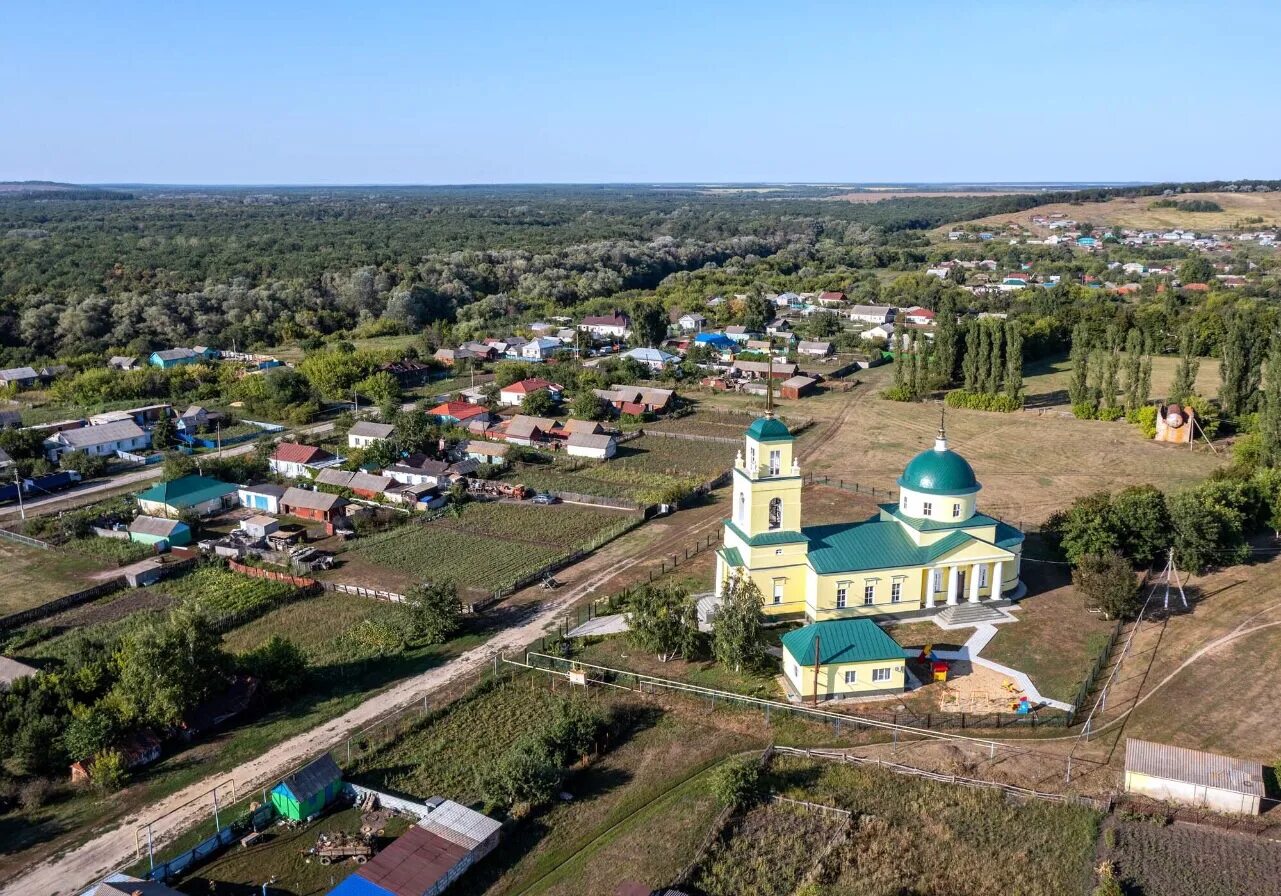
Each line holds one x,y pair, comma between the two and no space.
769,378
940,441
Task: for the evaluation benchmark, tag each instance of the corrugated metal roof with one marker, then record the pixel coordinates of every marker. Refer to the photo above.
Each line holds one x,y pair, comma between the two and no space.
154,525
187,491
371,430
117,431
1194,766
413,863
309,500
841,641
874,544
461,825
311,779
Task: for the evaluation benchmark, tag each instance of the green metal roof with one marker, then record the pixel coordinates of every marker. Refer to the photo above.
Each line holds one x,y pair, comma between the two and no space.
776,536
187,491
924,525
939,471
842,641
732,557
874,544
1007,536
769,429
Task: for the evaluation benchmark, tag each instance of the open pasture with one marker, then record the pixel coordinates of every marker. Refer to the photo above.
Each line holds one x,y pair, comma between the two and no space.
30,577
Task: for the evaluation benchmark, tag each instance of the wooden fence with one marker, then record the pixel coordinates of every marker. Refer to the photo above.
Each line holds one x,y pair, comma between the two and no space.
258,572
1100,805
22,617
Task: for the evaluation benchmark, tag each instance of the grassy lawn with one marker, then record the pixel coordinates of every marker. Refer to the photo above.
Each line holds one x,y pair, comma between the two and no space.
1046,381
30,577
931,839
617,652
1055,640
280,856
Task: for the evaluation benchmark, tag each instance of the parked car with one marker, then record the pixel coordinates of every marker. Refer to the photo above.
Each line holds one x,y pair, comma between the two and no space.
545,498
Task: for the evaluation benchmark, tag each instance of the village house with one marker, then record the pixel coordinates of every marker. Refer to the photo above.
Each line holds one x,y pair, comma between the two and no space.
759,370
612,326
739,333
881,331
124,362
872,314
456,413
297,461
514,393
169,358
419,469
451,356
197,495
493,453
480,350
364,433
718,342
540,348
319,507
830,298
101,441
691,322
366,485
19,377
145,415
918,316
528,431
408,372
265,496
637,399
653,358
814,349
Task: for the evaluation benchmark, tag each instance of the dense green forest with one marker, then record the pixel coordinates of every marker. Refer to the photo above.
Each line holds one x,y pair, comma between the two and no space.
154,267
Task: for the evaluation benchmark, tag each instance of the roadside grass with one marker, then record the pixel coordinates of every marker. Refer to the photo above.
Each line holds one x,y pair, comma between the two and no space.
931,839
30,577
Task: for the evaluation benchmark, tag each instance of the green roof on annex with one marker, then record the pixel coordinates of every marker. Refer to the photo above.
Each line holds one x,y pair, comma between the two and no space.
769,429
188,491
841,641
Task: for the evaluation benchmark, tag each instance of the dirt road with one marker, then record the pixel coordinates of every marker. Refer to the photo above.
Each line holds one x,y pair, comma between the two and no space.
71,872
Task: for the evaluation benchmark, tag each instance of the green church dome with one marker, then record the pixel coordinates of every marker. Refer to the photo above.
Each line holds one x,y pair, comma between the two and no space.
769,429
939,471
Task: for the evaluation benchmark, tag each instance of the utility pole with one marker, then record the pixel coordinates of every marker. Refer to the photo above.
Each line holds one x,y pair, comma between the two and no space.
18,482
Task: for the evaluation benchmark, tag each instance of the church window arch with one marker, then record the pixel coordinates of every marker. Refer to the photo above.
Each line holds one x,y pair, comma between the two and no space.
776,513
742,508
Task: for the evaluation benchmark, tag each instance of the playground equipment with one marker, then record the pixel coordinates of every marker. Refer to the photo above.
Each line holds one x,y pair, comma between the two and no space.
938,668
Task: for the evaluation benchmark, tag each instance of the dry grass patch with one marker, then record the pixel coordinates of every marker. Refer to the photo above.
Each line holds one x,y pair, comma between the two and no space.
30,577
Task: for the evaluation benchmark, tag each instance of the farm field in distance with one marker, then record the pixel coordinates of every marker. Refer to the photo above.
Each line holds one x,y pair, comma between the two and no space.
1138,213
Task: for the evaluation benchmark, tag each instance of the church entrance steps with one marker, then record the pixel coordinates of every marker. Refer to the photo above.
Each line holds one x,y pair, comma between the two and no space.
970,614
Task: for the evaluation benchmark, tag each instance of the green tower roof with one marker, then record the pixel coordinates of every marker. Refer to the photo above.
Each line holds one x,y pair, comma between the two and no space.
939,471
769,429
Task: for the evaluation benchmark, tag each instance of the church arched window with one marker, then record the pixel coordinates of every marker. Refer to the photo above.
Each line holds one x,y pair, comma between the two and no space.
742,508
776,513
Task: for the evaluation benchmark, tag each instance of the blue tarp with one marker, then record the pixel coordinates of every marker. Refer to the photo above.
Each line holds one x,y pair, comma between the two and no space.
358,886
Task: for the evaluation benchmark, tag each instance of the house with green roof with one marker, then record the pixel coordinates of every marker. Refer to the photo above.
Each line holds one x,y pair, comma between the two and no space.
199,495
928,550
842,658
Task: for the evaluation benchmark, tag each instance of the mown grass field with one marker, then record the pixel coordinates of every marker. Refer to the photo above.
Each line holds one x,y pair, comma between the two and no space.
930,839
30,577
1046,382
489,546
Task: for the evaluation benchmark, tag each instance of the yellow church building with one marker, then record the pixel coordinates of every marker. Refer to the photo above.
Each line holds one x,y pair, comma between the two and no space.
930,550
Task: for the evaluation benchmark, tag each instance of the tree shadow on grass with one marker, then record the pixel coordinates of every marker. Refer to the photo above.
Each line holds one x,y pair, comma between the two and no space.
18,832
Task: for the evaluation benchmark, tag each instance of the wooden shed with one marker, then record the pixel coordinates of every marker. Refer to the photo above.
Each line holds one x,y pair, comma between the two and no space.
797,387
1193,777
309,790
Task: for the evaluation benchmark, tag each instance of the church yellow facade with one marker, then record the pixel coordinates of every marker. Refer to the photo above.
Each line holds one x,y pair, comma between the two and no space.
929,550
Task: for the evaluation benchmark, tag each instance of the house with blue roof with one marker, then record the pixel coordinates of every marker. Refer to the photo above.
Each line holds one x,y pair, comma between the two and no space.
716,341
929,550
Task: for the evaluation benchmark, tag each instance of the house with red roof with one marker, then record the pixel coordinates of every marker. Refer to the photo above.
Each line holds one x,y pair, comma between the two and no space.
515,393
831,298
612,326
921,317
456,413
299,461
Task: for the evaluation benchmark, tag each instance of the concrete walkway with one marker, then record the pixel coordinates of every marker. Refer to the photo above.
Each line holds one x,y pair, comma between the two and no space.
970,652
601,625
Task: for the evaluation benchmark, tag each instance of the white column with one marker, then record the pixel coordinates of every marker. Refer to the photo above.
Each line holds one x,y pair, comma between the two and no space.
929,589
952,584
974,582
997,572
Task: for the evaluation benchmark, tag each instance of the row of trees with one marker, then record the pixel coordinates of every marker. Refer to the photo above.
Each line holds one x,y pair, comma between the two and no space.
1109,378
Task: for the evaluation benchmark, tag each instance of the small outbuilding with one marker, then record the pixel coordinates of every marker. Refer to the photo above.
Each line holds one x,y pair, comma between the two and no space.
1193,777
797,387
842,658
309,790
316,506
598,446
259,525
265,497
154,529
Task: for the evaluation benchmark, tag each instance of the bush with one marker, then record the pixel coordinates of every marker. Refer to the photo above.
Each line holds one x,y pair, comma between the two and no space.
1106,583
982,401
1145,419
107,771
523,779
1207,415
737,783
1084,410
899,393
1110,415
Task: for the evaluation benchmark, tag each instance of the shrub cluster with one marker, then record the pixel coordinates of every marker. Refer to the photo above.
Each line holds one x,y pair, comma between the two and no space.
982,401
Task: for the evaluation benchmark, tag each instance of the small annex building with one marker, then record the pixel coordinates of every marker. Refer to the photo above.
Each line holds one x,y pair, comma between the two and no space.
154,529
201,495
263,496
842,658
1193,777
309,790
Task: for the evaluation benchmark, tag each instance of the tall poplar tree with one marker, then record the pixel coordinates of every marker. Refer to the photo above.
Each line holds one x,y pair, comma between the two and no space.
970,363
1014,362
1134,394
1240,364
1270,406
994,359
1185,374
947,341
1079,385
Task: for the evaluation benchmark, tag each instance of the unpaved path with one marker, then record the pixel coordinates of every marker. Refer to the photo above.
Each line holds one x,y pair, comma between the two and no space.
78,868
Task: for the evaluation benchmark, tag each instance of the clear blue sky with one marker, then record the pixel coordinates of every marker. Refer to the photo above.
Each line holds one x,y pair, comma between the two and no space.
472,91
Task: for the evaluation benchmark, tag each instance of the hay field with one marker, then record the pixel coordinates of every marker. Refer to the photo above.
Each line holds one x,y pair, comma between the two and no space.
1139,213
